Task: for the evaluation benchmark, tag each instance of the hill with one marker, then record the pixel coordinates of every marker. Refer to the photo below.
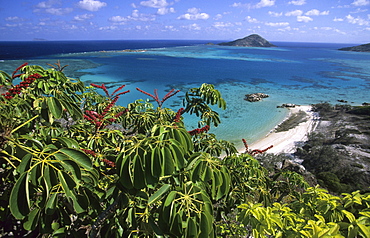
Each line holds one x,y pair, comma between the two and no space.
359,48
249,41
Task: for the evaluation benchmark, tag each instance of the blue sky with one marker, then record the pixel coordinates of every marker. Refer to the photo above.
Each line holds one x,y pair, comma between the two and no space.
342,21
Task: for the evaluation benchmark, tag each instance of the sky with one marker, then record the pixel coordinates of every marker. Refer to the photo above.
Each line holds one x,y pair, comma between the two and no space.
333,21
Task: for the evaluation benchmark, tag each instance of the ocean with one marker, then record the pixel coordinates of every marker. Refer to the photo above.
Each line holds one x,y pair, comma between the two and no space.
299,73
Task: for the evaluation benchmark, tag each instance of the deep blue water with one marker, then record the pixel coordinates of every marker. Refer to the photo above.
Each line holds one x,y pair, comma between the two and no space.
31,49
300,73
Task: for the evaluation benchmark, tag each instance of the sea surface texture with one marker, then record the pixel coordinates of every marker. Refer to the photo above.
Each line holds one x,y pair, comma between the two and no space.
299,73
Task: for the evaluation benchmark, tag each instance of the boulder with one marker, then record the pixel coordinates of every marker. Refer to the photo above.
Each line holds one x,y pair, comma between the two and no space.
255,97
287,105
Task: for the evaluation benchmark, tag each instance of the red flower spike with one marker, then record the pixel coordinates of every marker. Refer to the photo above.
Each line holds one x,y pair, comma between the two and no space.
178,115
89,152
95,85
109,163
17,69
199,130
105,90
156,98
256,151
118,89
122,93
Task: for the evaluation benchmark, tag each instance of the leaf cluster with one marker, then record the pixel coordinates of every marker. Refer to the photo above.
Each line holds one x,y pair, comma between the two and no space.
74,172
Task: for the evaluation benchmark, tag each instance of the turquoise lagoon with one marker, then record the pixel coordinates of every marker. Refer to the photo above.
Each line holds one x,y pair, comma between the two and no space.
299,73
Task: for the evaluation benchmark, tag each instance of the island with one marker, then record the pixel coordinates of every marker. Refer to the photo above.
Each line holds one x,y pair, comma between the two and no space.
359,48
253,40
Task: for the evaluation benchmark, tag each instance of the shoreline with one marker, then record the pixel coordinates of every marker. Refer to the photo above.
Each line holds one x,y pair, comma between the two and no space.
286,141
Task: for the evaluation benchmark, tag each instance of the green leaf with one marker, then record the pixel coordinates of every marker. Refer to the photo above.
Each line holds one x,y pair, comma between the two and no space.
68,142
157,231
205,225
191,230
67,183
59,233
138,178
171,196
364,230
349,216
159,193
80,203
25,163
78,156
168,166
156,162
19,198
32,220
123,165
51,204
176,225
73,168
55,107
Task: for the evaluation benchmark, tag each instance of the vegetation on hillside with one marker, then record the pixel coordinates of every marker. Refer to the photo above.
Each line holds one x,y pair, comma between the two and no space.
338,151
75,164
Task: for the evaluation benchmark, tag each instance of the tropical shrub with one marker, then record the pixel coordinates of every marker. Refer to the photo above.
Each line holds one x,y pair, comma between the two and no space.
75,164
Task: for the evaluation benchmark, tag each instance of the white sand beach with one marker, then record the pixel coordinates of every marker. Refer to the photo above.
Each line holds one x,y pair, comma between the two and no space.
286,141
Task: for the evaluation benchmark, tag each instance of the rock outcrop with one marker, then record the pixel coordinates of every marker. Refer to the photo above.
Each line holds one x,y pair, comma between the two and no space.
255,97
249,41
359,48
287,105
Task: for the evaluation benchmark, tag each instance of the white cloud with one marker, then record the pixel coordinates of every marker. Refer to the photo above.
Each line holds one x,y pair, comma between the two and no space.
49,7
118,19
338,19
70,27
340,32
154,3
315,12
83,17
359,3
239,4
262,3
218,17
294,13
170,28
251,20
192,27
220,25
359,10
265,3
105,28
91,5
47,4
14,19
135,16
194,14
358,20
277,24
298,2
164,10
58,11
275,14
304,19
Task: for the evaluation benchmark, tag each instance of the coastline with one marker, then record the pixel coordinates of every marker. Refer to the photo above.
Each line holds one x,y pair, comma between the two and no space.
286,141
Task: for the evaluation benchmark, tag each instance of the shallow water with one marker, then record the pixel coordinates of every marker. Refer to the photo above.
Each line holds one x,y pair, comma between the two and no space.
291,73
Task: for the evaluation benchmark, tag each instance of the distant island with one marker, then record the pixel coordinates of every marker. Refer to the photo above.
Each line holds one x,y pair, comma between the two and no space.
359,48
253,40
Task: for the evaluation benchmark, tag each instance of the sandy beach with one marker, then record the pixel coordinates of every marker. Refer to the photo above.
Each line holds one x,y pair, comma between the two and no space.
286,141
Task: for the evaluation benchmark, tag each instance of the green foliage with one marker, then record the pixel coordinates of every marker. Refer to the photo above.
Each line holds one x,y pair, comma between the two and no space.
75,164
361,110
